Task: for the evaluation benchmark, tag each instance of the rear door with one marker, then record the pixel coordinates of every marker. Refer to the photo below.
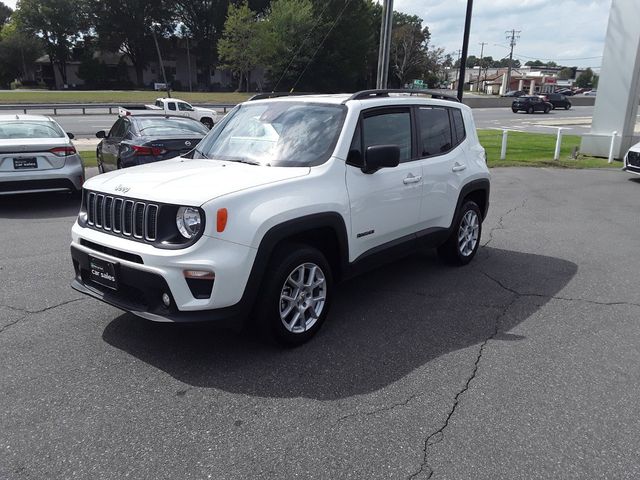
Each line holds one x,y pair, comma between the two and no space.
384,205
442,146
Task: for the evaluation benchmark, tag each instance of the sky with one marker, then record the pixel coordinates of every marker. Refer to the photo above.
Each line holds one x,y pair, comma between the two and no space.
569,32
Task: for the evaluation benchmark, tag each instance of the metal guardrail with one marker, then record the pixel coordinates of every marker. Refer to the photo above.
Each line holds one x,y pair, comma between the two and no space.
89,106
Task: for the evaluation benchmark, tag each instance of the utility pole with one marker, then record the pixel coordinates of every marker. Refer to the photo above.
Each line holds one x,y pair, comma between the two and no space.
385,44
465,48
512,36
189,63
482,44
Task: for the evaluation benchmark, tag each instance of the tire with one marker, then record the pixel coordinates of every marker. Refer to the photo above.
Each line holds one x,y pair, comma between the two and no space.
283,318
464,241
547,109
119,164
567,106
530,110
207,122
514,110
553,107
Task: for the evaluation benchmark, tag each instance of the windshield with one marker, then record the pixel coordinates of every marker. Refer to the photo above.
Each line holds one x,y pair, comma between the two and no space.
30,129
282,134
170,126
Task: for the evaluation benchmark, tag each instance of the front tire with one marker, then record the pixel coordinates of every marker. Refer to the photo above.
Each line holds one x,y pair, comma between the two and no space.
530,110
207,122
514,110
464,241
297,295
547,110
567,107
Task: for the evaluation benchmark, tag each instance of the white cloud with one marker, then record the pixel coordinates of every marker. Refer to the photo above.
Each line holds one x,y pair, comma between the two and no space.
550,29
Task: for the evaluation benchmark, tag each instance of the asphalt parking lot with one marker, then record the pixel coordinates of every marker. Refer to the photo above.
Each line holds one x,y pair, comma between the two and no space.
524,364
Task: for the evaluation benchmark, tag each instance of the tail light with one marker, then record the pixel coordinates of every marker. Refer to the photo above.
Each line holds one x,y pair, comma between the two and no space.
63,151
153,151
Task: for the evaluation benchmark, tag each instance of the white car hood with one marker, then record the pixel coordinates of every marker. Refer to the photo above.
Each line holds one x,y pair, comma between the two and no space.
188,182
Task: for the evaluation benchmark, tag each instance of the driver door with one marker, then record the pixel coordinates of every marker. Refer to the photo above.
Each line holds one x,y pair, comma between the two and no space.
384,205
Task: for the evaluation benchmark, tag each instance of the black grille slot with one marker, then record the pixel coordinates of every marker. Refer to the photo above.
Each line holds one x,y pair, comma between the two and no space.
138,220
122,216
127,217
117,215
152,222
633,158
108,213
99,211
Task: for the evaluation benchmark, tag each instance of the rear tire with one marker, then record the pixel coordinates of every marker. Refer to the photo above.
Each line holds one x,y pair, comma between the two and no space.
296,294
464,241
530,110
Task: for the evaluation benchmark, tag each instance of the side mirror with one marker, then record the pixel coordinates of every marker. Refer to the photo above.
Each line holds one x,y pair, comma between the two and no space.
101,134
381,156
70,135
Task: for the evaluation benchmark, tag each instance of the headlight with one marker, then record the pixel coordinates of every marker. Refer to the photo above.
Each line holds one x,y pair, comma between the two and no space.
188,221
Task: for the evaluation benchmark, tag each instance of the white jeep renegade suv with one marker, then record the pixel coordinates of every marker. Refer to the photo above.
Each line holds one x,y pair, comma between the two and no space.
282,199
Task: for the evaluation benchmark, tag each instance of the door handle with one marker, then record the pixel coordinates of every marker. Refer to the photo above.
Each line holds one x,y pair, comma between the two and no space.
411,179
458,167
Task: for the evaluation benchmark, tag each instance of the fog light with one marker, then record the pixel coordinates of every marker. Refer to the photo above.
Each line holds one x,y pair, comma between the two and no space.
166,299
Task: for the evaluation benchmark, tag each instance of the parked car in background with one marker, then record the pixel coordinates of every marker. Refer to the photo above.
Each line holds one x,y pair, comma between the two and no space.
175,107
632,160
565,91
558,100
530,104
36,155
146,138
590,93
514,93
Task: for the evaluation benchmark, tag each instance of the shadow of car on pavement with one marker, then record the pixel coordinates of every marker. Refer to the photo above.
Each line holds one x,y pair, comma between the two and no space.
32,206
383,325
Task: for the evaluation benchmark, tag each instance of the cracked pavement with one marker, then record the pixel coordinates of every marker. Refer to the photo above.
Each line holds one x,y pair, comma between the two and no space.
524,364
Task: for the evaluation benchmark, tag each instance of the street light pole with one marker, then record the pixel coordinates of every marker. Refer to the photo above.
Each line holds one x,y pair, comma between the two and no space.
164,77
385,44
465,49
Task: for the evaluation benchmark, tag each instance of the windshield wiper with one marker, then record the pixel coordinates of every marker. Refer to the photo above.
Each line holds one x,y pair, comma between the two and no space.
239,160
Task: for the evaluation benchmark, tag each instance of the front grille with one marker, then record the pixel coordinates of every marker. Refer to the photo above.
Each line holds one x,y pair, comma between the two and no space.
122,216
633,159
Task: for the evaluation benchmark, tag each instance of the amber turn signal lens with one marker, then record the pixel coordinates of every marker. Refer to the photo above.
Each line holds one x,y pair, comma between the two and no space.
221,221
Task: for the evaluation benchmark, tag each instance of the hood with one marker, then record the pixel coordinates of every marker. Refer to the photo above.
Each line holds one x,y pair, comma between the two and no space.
189,182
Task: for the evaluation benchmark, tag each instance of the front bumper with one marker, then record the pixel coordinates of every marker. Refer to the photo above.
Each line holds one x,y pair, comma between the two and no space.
70,177
145,273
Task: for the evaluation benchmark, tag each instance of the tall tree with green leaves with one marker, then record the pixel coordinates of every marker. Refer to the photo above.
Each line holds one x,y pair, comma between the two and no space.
238,47
409,45
128,25
5,13
59,23
287,40
18,51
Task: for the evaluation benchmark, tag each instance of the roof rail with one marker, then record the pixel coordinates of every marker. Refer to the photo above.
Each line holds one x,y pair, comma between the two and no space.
262,96
365,94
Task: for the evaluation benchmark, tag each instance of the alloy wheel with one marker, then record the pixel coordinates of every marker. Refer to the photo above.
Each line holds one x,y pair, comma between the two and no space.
302,298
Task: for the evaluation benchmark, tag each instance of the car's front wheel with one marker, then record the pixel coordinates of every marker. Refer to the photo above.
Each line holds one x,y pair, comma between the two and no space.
530,110
297,295
464,241
567,106
547,109
514,110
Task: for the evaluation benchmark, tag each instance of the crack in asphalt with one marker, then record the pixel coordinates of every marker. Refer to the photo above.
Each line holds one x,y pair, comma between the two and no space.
555,297
385,408
500,224
27,312
437,436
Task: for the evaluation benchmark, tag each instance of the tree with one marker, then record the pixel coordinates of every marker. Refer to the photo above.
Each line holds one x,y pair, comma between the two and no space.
204,20
585,79
409,43
5,13
238,47
128,26
287,41
565,74
17,52
59,23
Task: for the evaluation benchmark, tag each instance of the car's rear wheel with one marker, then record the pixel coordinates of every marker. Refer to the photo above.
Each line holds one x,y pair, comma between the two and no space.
530,110
514,110
297,295
464,241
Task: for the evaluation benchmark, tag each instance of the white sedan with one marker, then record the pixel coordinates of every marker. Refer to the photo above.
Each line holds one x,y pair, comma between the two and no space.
36,155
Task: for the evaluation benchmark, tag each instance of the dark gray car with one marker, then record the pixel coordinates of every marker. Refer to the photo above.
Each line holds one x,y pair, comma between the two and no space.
135,140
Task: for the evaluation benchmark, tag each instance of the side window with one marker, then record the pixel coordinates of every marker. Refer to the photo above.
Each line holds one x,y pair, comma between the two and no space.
458,125
117,130
171,105
435,131
184,107
159,104
389,128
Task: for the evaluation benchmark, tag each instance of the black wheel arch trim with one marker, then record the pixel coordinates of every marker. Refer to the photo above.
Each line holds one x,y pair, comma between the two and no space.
480,184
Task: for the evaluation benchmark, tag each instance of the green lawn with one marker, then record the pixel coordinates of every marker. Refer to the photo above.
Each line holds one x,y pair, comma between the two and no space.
89,158
132,96
536,150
